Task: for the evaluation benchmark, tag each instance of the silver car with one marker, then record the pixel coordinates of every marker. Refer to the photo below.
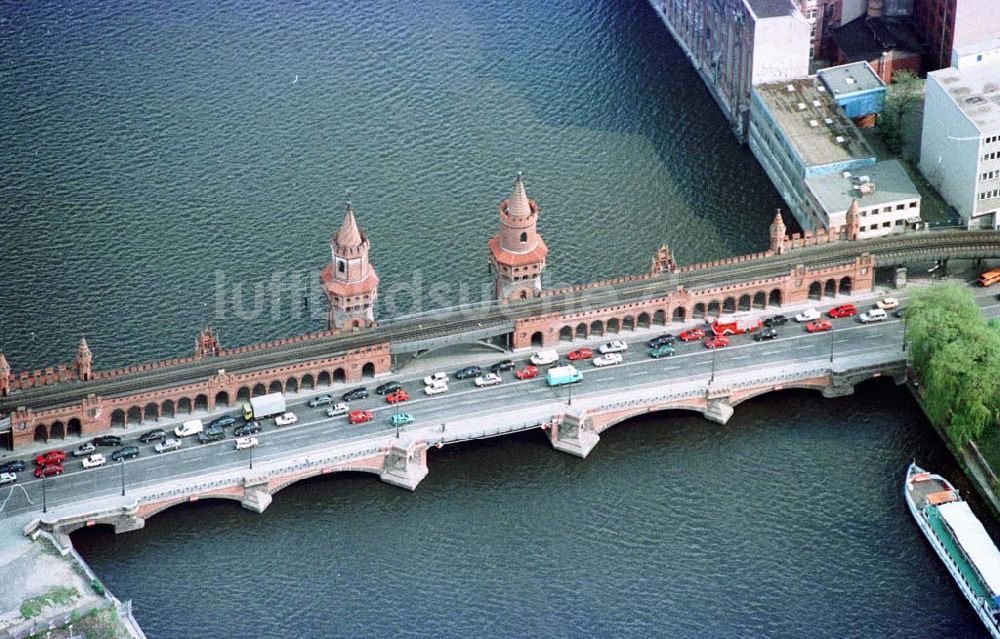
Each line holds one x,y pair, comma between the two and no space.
84,449
7,478
167,444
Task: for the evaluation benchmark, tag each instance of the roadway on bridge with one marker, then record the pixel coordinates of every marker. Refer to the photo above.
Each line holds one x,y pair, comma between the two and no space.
888,250
463,400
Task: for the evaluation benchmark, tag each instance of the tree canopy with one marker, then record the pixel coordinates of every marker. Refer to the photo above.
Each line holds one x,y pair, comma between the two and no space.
956,353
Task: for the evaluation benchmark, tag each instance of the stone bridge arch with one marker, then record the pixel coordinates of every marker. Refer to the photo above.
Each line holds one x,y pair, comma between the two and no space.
148,510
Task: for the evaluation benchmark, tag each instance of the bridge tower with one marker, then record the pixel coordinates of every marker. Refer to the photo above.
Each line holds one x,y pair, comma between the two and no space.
4,375
349,280
517,253
84,360
207,343
778,234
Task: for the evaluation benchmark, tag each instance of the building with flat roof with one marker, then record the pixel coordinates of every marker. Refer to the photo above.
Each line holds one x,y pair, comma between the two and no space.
887,44
960,142
735,44
950,24
857,89
802,133
887,199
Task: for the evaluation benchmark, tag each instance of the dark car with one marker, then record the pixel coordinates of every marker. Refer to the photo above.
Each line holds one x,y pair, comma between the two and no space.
153,436
222,422
777,320
14,466
662,340
468,371
388,387
249,428
108,440
128,452
321,400
505,365
212,434
765,333
901,311
355,395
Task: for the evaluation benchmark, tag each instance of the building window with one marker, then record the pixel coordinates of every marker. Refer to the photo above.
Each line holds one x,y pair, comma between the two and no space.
913,205
886,225
341,266
524,237
900,207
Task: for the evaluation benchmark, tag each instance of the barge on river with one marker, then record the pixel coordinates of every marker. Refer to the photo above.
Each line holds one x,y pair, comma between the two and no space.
960,541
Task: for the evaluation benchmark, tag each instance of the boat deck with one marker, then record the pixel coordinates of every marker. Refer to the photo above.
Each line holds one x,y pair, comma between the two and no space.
928,490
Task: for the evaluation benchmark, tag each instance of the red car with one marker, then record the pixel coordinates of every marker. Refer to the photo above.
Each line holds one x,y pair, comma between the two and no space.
398,396
692,335
717,342
48,470
844,310
51,457
580,353
360,416
818,326
527,372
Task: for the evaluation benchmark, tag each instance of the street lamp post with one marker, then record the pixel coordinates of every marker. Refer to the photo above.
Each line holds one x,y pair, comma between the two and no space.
251,457
122,462
831,347
45,506
904,332
712,379
569,388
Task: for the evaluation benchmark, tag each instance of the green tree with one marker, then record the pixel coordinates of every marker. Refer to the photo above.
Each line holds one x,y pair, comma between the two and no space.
902,97
956,353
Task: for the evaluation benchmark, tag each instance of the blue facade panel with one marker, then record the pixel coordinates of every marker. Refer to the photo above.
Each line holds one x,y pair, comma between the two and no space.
857,105
848,165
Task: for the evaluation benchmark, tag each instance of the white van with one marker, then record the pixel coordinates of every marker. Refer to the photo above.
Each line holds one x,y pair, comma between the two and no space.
192,427
544,358
873,315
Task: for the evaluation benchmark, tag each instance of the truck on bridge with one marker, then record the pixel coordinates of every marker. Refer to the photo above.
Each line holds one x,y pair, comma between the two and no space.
264,406
561,375
736,323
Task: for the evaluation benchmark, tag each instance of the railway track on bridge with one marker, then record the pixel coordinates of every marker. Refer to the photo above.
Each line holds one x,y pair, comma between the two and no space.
889,249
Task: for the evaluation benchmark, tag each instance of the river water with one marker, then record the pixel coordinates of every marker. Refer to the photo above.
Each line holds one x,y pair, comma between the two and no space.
172,164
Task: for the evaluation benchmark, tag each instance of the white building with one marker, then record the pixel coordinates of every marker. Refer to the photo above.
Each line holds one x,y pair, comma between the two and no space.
887,200
960,143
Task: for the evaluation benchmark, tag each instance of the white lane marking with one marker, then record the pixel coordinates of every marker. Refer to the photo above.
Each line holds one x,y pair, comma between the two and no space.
741,357
192,459
539,390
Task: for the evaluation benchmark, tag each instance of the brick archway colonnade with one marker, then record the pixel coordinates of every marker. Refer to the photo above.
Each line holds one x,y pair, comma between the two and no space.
800,285
96,414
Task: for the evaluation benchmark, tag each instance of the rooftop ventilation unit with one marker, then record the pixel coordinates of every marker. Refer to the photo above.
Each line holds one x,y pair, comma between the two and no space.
840,139
802,106
849,80
828,120
821,88
790,88
816,103
846,174
813,123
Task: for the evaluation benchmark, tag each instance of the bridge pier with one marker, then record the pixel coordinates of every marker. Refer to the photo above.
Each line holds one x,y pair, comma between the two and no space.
406,464
256,497
899,279
575,434
718,410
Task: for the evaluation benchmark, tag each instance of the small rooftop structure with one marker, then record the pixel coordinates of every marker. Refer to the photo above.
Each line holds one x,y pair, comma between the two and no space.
984,51
832,140
975,90
875,185
866,38
848,79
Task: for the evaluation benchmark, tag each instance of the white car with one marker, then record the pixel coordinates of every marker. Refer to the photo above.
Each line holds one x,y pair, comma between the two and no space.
874,315
608,359
246,442
167,444
489,379
435,389
544,358
614,346
7,478
808,315
435,379
286,420
95,460
337,410
887,303
84,449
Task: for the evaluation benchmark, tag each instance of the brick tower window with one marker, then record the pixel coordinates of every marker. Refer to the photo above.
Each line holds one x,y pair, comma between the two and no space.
524,237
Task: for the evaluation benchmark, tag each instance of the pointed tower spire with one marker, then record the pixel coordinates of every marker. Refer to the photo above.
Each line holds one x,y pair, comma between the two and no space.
4,375
518,252
853,220
349,280
83,363
778,233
